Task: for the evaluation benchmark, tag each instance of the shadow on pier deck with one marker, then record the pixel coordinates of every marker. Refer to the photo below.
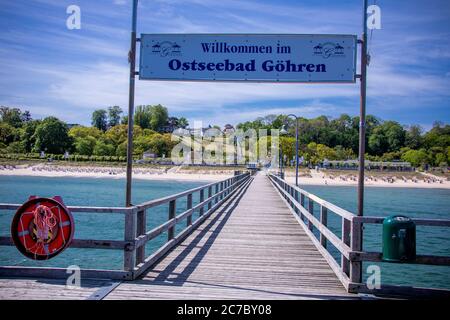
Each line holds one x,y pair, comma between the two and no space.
252,247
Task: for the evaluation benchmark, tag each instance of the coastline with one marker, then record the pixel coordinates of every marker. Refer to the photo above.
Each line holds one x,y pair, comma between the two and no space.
170,176
314,180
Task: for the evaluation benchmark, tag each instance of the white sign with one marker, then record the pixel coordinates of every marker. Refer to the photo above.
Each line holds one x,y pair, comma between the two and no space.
248,57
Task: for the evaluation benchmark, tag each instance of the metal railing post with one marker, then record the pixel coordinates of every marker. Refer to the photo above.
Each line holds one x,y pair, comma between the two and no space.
324,222
311,210
189,206
172,213
202,198
345,266
141,222
129,258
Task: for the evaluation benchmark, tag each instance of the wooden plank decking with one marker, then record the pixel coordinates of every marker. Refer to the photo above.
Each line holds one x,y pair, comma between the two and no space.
51,289
250,248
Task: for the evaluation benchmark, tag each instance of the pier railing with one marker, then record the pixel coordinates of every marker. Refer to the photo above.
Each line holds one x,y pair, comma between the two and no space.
211,197
349,268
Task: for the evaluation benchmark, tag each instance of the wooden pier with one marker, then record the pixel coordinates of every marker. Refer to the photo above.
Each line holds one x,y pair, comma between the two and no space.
251,248
253,239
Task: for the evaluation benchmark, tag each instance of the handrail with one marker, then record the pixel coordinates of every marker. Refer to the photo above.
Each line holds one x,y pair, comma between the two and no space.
135,233
351,225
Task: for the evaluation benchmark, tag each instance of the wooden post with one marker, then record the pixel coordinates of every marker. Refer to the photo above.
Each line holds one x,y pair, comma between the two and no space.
202,198
355,245
311,210
324,221
209,197
189,206
129,258
141,221
172,213
346,239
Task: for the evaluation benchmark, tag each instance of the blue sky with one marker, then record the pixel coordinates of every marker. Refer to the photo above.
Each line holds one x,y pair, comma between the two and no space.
50,70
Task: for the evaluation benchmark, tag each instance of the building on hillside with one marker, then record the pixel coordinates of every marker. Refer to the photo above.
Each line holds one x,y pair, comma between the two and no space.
228,129
369,165
149,155
170,126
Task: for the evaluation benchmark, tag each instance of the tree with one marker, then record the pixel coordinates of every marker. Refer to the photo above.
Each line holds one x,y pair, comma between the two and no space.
114,116
85,146
416,157
142,116
159,115
16,147
387,137
438,136
99,119
11,116
52,136
27,134
183,123
25,116
119,134
83,132
103,149
413,138
8,133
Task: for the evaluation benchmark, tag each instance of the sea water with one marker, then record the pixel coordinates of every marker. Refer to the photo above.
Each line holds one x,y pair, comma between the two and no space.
423,203
411,202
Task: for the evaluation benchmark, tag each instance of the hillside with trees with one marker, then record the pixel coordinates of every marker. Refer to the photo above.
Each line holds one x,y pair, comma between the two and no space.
320,138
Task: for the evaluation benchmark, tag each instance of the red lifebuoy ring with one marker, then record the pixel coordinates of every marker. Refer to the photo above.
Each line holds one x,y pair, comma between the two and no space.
42,228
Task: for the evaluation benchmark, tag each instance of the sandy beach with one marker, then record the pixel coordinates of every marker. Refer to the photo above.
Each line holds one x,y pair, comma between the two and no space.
208,175
117,174
317,178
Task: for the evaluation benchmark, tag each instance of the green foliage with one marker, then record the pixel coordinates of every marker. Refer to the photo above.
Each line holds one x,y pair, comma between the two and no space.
183,123
438,136
103,149
85,146
12,116
387,137
16,147
142,116
159,117
121,150
52,136
27,134
417,158
8,133
99,119
151,117
83,132
114,116
320,138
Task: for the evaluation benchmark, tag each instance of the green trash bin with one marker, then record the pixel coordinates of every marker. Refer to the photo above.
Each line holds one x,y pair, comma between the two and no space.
399,239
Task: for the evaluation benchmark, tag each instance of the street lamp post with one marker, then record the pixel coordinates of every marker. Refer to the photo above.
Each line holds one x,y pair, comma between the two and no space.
283,131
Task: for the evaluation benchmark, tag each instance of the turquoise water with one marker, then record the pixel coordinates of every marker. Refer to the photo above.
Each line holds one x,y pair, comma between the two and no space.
430,203
89,192
412,202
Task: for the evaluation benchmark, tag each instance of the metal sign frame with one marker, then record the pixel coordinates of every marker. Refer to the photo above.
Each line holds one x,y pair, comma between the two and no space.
251,36
358,240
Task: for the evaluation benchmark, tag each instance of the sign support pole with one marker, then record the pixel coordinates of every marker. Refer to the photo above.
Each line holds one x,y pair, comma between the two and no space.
132,61
362,131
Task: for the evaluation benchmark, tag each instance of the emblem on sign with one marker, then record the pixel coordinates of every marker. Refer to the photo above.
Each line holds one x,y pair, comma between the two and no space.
166,49
42,228
329,49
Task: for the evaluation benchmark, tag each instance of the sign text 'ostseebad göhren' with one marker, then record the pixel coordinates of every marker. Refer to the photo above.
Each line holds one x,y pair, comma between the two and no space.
253,57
